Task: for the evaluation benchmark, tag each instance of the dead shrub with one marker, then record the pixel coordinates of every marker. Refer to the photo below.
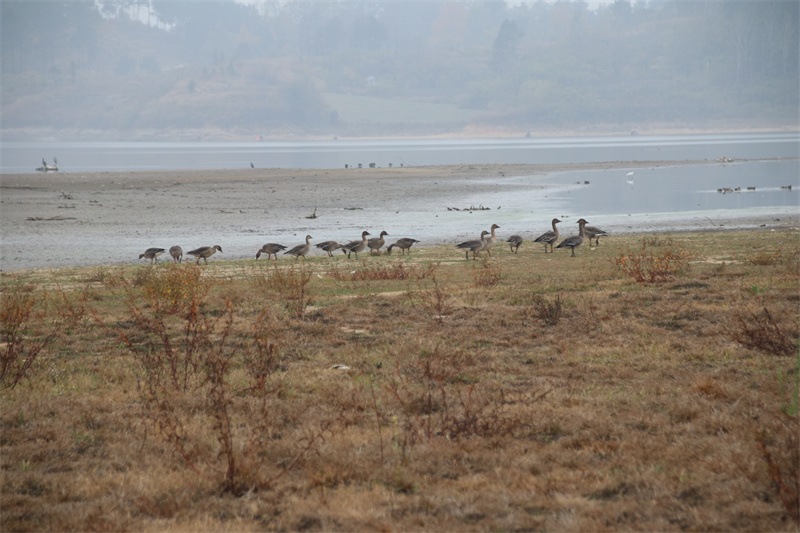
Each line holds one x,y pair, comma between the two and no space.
20,317
781,453
778,257
486,274
292,285
173,288
433,297
549,312
189,366
378,272
647,266
438,399
763,333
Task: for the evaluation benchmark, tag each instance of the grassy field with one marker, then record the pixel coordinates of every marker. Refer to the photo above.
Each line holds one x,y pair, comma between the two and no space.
650,383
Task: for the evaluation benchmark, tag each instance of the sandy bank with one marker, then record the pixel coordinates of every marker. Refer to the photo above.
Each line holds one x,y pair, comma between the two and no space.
106,218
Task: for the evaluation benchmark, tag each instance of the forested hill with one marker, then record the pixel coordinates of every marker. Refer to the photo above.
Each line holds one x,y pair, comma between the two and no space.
384,68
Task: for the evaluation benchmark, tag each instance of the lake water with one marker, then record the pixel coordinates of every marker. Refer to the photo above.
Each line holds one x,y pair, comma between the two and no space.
658,199
25,157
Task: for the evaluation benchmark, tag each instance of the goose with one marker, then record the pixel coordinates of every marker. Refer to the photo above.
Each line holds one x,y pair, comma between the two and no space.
549,237
204,252
474,246
300,250
404,244
514,241
490,241
177,253
376,243
152,254
356,246
593,232
573,241
329,246
271,248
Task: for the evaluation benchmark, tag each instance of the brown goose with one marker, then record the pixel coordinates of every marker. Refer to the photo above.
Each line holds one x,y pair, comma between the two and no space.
574,241
514,241
353,247
376,243
549,237
177,253
204,252
300,250
593,232
152,254
490,241
271,248
474,246
329,246
404,244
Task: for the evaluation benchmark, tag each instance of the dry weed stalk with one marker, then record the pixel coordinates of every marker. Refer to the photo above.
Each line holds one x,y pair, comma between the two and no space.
293,285
487,274
378,272
766,335
779,256
435,300
783,463
646,266
549,312
186,386
437,401
22,344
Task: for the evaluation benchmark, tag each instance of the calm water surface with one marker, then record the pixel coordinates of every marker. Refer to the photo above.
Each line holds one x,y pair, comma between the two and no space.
25,157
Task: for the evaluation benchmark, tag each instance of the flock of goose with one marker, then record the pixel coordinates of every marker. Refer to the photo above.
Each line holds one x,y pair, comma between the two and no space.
484,244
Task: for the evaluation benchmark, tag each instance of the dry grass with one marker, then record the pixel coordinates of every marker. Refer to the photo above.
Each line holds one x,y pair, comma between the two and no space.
523,392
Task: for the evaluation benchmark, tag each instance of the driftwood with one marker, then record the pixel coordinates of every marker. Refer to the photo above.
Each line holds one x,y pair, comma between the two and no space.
314,214
471,208
57,217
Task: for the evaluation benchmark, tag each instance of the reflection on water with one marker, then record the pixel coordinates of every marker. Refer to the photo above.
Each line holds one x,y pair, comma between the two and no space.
616,198
681,189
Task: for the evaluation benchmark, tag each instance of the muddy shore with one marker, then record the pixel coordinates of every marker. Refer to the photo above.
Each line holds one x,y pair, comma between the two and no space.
108,218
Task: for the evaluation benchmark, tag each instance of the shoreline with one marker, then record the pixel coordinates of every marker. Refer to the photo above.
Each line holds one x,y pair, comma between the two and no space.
109,218
468,132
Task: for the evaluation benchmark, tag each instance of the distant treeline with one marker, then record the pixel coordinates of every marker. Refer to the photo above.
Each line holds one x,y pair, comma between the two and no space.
384,67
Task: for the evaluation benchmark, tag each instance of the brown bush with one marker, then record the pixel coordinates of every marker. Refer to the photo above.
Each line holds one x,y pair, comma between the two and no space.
762,332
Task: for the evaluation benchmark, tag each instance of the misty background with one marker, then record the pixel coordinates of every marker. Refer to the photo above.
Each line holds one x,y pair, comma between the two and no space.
166,69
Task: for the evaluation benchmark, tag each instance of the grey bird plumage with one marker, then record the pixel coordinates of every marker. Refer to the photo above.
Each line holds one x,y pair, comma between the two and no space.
573,241
474,246
271,248
404,244
301,249
152,254
353,247
204,252
177,253
549,237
